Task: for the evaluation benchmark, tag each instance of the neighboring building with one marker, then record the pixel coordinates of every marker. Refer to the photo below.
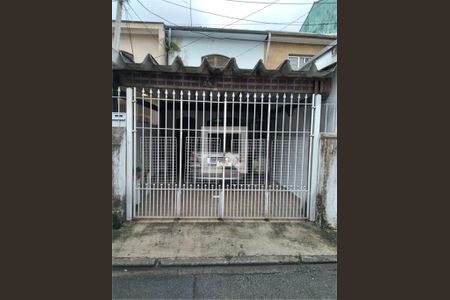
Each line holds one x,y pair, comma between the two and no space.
298,48
246,46
142,38
322,18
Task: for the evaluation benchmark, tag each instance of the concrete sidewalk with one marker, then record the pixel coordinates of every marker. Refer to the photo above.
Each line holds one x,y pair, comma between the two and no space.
219,243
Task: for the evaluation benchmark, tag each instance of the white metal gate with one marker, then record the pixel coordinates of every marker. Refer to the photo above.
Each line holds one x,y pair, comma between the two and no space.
203,154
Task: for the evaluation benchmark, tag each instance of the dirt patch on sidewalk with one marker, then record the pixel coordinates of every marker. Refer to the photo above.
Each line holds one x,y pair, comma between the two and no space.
225,239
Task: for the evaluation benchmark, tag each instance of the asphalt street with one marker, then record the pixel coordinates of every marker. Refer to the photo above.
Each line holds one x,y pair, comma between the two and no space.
304,281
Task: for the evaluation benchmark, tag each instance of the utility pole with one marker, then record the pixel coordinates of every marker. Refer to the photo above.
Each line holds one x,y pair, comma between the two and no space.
190,10
117,26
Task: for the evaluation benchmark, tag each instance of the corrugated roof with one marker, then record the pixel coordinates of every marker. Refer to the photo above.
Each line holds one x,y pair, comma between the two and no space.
121,62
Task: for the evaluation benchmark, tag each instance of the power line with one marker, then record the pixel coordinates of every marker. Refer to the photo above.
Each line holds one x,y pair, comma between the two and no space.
195,32
251,48
253,24
164,18
281,29
149,30
200,33
280,3
155,13
129,30
210,35
206,35
223,16
240,24
252,13
194,41
229,17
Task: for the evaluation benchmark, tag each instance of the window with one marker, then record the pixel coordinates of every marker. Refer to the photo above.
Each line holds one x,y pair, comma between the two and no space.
298,61
216,60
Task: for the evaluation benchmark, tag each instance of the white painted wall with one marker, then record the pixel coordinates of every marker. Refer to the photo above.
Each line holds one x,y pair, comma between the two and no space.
327,183
329,109
118,164
331,195
192,54
332,98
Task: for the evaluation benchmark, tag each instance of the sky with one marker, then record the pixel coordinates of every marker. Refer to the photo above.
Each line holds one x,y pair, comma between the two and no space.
282,11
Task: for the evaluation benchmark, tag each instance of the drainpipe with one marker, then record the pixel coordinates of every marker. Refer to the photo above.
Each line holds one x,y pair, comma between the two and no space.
116,41
268,47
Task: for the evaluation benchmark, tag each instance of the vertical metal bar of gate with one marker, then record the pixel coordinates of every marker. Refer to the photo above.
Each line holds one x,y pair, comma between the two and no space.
142,144
315,156
188,202
253,193
202,146
178,203
311,135
261,193
150,153
134,149
282,194
298,186
267,187
222,196
217,184
231,198
118,99
302,177
275,146
196,144
289,177
129,154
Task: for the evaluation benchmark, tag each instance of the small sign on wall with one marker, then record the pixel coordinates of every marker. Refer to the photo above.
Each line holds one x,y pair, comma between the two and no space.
119,119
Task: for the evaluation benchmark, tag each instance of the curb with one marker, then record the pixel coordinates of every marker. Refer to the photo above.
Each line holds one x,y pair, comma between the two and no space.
318,259
133,262
118,262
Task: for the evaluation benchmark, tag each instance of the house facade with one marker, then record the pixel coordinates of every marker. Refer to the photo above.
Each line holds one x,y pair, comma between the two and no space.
298,48
210,135
224,142
193,44
246,46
